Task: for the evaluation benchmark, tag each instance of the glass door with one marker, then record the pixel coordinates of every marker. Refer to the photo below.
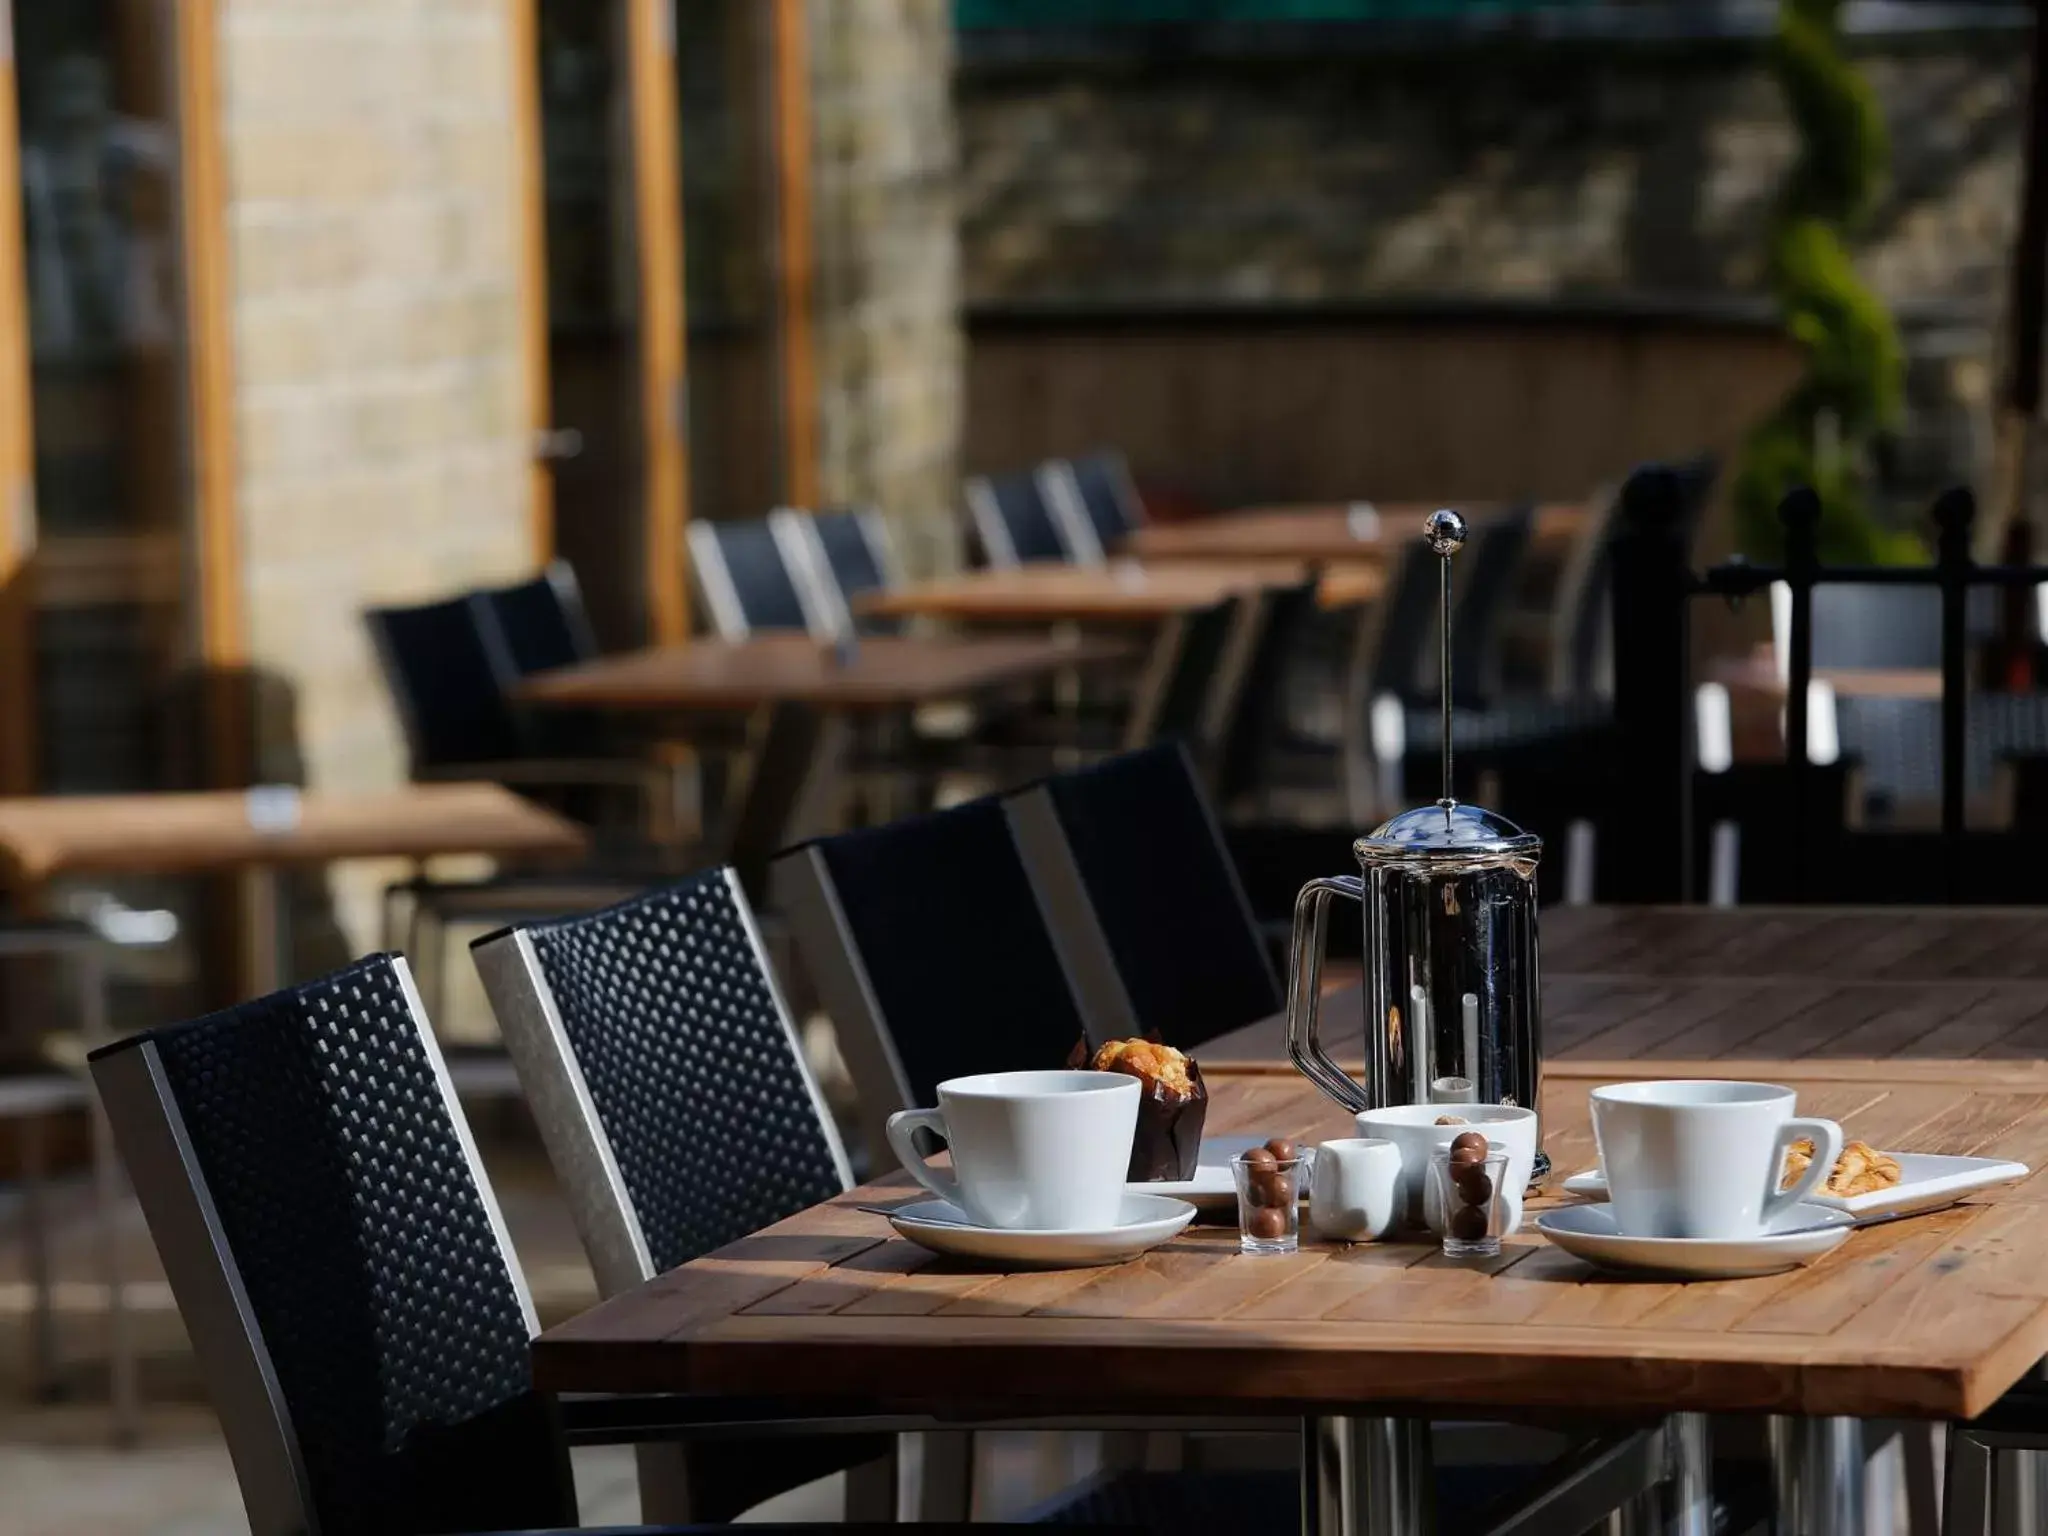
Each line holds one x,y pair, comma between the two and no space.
614,310
105,531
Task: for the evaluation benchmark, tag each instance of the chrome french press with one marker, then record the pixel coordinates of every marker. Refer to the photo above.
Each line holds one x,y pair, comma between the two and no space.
1451,1008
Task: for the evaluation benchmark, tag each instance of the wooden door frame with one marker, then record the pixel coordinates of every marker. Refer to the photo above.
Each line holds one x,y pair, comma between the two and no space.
219,589
17,451
796,373
522,20
663,328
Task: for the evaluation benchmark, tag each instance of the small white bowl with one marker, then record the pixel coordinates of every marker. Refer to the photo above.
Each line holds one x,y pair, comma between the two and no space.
1413,1128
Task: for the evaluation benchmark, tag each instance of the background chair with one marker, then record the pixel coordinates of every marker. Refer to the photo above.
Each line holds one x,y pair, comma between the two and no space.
851,552
1128,855
1099,489
1016,524
753,577
653,1045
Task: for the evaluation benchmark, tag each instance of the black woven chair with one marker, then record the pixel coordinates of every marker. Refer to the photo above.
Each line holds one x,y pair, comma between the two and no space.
652,1041
1016,524
652,1044
1128,854
342,1265
851,548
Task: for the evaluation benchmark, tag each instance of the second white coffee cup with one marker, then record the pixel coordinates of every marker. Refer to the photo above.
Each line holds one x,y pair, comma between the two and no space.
1703,1159
1040,1150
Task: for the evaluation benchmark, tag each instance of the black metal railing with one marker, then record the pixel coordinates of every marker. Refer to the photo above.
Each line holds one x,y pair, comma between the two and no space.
1654,587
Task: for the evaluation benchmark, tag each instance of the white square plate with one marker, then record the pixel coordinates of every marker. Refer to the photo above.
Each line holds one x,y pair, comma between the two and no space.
1927,1182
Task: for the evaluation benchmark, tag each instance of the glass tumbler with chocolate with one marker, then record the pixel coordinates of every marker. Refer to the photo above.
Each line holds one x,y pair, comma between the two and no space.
1172,1104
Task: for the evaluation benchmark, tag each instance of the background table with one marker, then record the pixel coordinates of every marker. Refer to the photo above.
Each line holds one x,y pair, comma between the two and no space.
1124,591
1320,533
46,837
881,672
810,692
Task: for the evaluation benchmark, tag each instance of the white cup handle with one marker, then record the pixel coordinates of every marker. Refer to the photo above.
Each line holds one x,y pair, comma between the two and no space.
1827,1141
903,1128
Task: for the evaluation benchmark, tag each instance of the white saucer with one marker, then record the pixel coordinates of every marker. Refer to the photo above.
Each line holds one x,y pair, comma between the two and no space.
1214,1186
1927,1182
1798,1236
1145,1222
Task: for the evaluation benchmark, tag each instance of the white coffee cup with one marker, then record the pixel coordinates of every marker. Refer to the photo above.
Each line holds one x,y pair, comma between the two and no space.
1352,1185
1414,1129
1703,1158
1040,1150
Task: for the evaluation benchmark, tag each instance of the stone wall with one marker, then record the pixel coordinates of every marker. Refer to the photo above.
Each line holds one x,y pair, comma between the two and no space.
888,338
373,178
1580,169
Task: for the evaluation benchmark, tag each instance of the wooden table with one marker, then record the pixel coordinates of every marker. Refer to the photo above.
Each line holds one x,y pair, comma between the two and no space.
1321,533
1123,591
882,672
49,836
1921,1029
1934,1317
46,837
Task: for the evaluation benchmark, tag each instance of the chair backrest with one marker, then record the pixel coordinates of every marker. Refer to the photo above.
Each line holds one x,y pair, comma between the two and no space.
1492,561
1104,494
1186,666
448,671
1281,621
542,621
1133,847
1397,644
1017,524
1583,641
850,550
666,1078
339,1261
926,944
750,580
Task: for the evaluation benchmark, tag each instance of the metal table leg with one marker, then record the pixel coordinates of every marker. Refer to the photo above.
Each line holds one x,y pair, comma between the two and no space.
107,1185
1817,1476
1367,1477
1689,1495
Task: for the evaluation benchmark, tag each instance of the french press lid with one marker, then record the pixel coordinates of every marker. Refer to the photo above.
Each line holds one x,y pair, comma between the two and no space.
1446,837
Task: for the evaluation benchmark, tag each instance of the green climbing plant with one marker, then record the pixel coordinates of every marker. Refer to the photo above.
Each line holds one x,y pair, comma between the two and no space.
1855,366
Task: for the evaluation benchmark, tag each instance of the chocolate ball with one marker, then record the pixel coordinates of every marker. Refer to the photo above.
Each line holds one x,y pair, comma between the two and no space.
1273,1189
1468,1157
1468,1223
1281,1148
1469,1140
1269,1222
1260,1160
1474,1187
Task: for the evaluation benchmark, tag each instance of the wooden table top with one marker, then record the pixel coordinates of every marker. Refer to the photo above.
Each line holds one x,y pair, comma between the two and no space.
1123,591
1334,532
1934,1316
55,835
1694,984
884,672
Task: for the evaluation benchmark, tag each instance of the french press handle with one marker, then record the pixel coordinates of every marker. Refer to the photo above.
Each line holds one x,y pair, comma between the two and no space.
1305,989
